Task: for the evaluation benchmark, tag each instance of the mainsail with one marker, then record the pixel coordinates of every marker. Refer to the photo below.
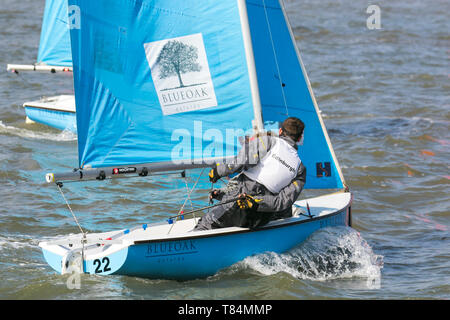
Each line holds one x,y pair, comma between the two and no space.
159,81
179,81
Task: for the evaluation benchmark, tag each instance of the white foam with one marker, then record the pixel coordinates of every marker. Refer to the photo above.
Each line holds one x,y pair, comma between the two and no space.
65,135
14,243
331,253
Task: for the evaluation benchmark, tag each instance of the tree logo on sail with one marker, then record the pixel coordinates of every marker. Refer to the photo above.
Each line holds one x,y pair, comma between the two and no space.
177,58
180,73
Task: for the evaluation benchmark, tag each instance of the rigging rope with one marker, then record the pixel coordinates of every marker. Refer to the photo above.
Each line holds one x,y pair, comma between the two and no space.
187,189
70,209
190,191
83,239
187,198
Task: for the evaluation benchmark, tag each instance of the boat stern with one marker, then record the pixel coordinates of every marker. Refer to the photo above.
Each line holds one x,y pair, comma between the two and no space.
102,257
53,256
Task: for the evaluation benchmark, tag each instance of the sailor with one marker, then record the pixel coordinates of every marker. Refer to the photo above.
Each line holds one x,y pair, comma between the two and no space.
270,178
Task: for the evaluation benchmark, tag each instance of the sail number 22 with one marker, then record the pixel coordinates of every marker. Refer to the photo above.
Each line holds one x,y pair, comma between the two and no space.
102,265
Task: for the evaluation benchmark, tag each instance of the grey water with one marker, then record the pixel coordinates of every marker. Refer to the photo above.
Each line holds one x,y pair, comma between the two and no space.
384,96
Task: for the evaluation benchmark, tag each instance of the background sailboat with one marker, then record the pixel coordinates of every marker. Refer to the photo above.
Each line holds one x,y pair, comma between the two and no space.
54,55
168,86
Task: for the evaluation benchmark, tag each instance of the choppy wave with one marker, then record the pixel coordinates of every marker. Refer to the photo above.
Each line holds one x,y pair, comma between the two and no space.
328,254
64,135
15,243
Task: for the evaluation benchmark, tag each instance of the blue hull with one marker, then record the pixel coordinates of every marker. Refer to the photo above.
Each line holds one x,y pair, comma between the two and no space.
61,120
199,257
156,251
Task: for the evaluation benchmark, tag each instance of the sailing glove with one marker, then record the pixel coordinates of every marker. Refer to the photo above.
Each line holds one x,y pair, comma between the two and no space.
216,194
213,175
247,202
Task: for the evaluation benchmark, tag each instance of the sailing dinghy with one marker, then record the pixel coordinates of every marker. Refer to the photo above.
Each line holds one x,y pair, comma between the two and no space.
54,55
165,86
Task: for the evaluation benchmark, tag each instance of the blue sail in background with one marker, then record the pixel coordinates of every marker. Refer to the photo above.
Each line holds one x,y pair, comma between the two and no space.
284,90
159,80
54,45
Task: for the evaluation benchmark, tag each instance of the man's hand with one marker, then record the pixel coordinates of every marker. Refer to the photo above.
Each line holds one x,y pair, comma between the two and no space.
213,175
246,201
216,194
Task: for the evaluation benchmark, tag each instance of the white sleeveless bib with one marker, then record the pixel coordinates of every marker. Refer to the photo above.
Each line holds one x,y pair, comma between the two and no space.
277,168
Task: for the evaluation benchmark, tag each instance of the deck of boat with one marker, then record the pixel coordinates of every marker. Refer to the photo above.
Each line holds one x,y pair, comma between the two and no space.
178,229
62,103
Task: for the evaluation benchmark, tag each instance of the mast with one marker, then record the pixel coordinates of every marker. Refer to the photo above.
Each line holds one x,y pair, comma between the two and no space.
308,83
257,124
